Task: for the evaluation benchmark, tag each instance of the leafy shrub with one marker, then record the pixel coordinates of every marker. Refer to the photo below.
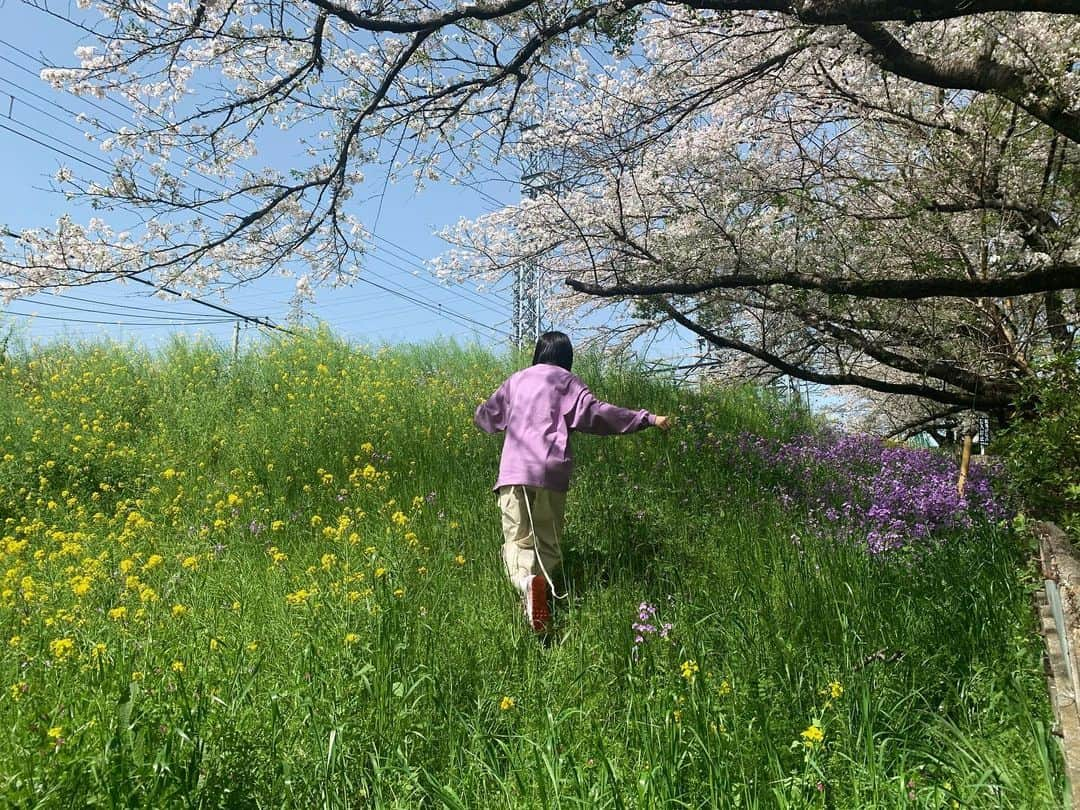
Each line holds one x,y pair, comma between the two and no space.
1043,450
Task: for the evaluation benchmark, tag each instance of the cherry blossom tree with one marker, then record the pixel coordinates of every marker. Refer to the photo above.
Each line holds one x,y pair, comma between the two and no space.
852,192
780,195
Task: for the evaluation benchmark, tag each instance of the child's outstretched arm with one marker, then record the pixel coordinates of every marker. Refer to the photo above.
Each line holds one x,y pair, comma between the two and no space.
490,416
591,415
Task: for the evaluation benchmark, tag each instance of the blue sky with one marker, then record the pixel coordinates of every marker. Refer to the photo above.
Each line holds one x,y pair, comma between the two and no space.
38,124
398,300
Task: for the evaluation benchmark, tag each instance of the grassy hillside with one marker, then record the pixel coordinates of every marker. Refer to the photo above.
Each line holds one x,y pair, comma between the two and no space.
275,583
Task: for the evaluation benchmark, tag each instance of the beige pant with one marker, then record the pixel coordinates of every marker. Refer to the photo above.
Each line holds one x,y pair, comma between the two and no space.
527,538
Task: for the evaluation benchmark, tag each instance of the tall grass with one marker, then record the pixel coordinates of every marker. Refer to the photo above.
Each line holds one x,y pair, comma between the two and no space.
274,582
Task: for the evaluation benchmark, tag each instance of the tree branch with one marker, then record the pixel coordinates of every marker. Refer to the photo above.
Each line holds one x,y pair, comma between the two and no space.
977,401
1039,98
1057,277
921,423
430,23
841,12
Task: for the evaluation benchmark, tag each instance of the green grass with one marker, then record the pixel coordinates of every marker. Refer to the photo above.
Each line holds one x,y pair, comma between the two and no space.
380,660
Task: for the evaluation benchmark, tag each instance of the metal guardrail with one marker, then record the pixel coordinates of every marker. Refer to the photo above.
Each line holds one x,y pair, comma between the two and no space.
1057,603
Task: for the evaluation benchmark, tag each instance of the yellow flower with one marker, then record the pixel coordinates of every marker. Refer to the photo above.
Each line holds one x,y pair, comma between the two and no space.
399,518
380,572
327,561
351,638
55,732
147,594
813,736
19,689
506,703
61,648
169,474
725,687
118,613
152,562
459,559
251,646
836,690
191,562
213,644
136,676
399,592
80,585
235,605
689,669
15,641
298,597
179,610
178,666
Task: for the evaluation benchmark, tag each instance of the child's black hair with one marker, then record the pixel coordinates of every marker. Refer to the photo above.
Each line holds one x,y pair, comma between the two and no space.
554,348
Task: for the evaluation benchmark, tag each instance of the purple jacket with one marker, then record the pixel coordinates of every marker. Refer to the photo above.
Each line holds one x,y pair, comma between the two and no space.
538,407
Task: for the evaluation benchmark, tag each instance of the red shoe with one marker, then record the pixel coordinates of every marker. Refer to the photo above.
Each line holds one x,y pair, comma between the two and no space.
537,612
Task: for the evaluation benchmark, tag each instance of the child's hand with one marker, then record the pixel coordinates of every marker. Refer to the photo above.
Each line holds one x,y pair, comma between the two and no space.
663,422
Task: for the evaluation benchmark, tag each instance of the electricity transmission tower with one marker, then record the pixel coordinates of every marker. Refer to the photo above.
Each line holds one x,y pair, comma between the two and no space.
525,329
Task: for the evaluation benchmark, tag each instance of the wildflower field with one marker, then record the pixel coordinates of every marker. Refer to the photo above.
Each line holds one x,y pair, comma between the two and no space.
274,582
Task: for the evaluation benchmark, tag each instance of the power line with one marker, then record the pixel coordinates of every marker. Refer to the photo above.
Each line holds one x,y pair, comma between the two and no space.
431,306
246,318
68,297
417,260
105,312
162,288
129,109
119,323
463,320
391,264
32,139
434,307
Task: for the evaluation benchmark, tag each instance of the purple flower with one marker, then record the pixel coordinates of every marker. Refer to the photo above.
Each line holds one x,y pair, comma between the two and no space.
647,627
854,486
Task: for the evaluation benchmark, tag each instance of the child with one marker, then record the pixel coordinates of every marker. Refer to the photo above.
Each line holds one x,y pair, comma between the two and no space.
538,407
